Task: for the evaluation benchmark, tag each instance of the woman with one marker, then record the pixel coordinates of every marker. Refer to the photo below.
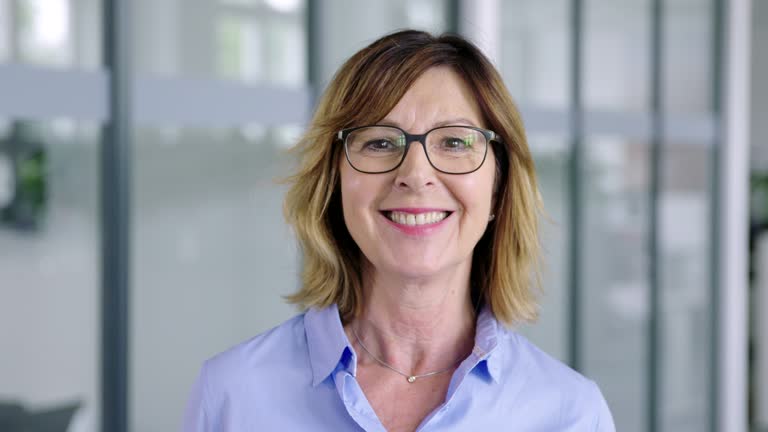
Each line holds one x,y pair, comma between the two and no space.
416,209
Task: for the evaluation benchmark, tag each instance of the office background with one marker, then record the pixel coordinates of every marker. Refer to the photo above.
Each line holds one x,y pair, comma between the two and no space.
154,130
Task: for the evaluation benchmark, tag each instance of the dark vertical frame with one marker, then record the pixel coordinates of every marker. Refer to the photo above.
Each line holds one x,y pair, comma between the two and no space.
115,217
575,181
718,43
654,395
453,12
312,20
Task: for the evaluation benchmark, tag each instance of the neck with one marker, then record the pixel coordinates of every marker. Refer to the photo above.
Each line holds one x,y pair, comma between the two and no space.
417,325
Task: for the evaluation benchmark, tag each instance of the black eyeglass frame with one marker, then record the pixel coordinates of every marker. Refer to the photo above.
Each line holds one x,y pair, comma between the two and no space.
490,137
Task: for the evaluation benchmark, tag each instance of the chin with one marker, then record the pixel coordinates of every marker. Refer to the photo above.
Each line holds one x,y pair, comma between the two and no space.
412,270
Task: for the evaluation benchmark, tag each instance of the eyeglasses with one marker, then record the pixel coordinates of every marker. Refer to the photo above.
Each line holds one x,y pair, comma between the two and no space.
449,149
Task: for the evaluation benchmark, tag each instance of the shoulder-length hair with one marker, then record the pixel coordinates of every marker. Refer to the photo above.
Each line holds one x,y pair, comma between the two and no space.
365,90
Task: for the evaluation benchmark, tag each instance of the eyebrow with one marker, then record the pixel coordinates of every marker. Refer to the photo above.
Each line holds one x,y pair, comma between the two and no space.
460,121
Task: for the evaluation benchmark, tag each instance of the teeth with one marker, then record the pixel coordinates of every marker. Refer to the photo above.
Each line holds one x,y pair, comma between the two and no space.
417,219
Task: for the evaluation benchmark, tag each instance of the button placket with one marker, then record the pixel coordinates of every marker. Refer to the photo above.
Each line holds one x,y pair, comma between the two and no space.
355,402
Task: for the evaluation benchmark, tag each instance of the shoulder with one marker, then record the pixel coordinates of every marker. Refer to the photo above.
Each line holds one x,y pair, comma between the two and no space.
231,385
540,365
576,398
283,346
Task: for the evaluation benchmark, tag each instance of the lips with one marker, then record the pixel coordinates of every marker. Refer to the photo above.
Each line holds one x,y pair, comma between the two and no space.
419,218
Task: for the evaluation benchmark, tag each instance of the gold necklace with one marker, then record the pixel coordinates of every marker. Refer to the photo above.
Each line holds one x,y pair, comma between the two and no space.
411,378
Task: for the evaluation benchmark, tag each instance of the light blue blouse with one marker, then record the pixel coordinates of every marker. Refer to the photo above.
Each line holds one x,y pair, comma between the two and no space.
300,376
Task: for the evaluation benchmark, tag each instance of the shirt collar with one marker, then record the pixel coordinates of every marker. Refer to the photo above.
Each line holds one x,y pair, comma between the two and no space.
326,341
487,335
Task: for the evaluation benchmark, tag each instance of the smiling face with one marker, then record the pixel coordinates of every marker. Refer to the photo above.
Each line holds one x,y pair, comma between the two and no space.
416,222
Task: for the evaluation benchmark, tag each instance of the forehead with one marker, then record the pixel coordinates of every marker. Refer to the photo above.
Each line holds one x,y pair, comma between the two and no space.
439,94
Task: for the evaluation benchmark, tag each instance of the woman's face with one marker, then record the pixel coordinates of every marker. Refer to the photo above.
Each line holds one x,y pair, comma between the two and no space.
376,205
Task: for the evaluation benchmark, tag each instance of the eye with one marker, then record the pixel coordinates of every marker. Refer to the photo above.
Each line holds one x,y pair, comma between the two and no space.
454,143
382,145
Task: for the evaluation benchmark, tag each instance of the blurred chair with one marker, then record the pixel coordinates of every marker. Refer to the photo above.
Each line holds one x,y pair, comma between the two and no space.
14,418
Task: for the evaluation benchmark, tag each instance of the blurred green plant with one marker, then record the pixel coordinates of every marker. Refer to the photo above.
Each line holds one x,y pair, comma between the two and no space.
28,158
759,197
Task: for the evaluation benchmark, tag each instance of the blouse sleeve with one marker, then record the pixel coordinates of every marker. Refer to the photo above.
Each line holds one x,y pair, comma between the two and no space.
196,417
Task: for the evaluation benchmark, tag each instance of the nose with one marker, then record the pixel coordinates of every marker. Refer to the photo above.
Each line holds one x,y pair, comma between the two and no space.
415,172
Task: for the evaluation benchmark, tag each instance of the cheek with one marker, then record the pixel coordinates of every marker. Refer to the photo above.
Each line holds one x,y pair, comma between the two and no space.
359,196
353,192
477,196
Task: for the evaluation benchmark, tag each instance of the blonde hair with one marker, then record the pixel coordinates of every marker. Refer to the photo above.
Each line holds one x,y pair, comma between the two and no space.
365,90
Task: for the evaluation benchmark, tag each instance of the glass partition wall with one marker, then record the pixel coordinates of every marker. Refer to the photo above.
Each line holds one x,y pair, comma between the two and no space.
49,212
619,102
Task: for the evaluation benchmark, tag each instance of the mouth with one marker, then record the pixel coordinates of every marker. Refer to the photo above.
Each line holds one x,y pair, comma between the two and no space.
415,219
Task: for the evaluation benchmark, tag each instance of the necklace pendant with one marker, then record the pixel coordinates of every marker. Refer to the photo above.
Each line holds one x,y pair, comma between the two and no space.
411,379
